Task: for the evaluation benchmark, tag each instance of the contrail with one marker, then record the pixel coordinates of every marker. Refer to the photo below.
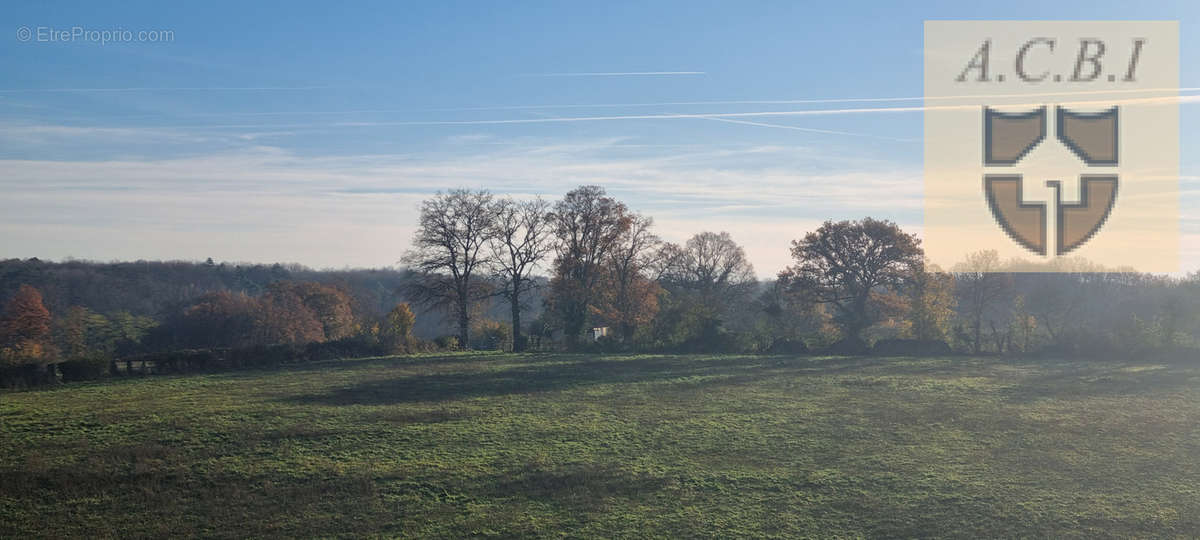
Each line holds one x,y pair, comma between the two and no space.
586,105
812,130
673,116
809,112
161,88
812,101
613,74
560,119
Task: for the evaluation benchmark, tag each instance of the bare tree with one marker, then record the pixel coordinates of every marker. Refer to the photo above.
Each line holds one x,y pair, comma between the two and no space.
982,288
588,224
665,262
453,230
520,240
713,265
710,285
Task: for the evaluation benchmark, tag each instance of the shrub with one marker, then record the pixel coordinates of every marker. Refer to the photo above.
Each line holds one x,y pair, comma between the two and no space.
84,368
605,344
447,343
395,332
180,361
788,346
352,347
719,340
850,346
492,335
420,345
267,355
24,375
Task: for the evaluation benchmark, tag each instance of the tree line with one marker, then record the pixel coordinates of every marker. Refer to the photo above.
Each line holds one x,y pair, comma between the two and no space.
852,284
77,318
521,274
608,269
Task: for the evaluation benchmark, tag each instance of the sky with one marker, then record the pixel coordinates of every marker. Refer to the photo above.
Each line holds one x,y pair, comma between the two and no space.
309,132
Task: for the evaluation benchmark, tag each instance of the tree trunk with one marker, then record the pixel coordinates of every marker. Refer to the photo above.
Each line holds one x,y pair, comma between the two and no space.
627,331
860,318
975,347
50,374
517,344
998,337
464,324
573,327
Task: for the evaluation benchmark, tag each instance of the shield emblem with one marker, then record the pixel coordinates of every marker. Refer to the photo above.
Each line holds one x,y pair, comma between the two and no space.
1010,137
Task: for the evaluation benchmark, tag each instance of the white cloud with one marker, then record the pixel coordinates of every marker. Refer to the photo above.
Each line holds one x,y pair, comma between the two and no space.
266,204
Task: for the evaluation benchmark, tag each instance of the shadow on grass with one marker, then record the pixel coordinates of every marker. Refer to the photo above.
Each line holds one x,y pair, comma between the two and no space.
582,487
465,377
550,373
1082,380
563,373
350,363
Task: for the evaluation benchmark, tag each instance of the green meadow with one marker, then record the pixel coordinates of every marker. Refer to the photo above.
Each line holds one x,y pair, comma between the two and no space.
503,445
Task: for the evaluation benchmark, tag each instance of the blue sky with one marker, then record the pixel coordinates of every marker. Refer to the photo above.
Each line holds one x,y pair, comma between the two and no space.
308,132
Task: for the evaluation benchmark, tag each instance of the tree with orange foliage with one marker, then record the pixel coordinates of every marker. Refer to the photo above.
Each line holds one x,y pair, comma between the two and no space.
628,298
331,305
930,302
25,329
589,225
396,331
843,264
282,317
628,303
217,319
227,319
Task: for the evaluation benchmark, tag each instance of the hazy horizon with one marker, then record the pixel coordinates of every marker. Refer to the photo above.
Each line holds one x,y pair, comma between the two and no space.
258,139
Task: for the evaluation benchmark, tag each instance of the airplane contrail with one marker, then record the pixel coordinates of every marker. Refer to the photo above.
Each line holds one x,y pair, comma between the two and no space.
728,117
590,105
797,101
672,116
613,73
811,130
808,112
165,88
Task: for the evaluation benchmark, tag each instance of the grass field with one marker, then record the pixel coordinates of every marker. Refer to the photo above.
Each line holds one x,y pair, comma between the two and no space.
613,446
